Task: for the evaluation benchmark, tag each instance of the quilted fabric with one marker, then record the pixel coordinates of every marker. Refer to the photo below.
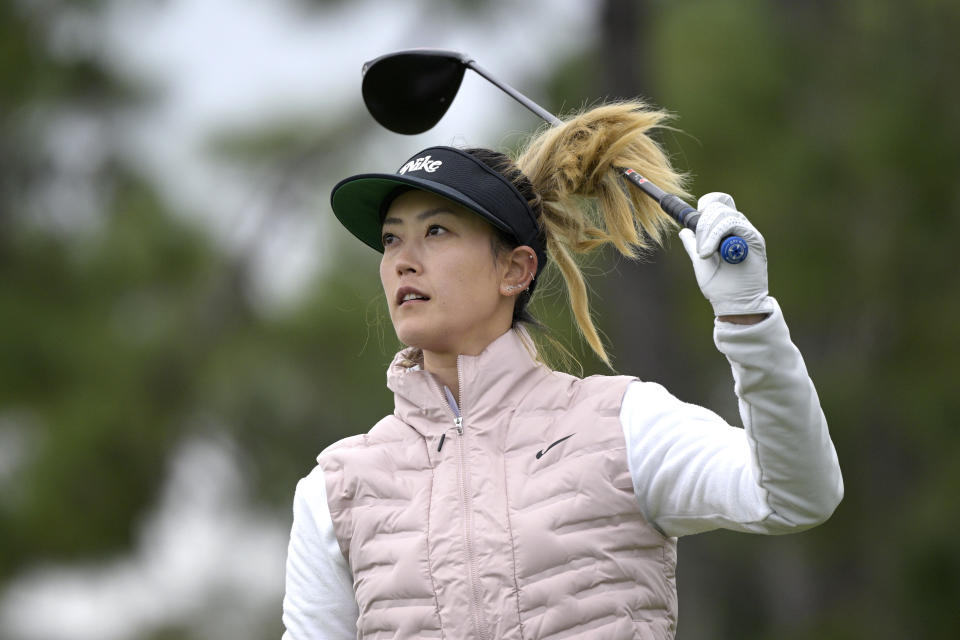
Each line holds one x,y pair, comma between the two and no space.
524,525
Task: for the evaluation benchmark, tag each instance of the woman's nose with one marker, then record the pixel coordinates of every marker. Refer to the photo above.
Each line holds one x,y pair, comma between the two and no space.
407,261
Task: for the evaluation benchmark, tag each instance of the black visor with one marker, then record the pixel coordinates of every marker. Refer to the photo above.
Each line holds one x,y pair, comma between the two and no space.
359,201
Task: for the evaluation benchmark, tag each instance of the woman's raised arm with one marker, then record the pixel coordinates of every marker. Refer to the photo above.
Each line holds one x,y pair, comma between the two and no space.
692,472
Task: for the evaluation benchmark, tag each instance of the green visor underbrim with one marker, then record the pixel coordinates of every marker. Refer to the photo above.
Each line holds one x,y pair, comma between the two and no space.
358,202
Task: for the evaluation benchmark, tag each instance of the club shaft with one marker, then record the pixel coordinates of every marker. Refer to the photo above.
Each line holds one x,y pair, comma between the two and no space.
733,249
516,95
683,213
674,206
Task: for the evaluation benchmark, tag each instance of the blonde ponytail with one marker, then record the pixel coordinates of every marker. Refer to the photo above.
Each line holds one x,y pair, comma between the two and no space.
576,162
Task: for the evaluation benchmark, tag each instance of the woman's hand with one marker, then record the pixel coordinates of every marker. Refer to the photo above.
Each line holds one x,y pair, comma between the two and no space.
738,292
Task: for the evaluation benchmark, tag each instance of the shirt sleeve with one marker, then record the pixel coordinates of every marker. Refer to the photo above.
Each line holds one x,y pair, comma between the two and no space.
319,603
692,472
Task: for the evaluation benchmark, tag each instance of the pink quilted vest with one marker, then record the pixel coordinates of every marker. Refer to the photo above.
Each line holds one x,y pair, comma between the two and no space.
518,522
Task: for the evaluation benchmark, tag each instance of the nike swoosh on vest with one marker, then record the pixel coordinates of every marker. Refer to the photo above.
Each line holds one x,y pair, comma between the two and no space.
543,451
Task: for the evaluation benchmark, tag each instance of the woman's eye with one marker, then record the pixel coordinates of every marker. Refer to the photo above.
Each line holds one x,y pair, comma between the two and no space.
387,239
435,229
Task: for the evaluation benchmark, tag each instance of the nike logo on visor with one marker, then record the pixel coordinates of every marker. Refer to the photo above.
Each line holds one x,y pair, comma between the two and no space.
543,451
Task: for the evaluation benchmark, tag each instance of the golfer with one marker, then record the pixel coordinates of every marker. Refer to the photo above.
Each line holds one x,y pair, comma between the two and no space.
503,499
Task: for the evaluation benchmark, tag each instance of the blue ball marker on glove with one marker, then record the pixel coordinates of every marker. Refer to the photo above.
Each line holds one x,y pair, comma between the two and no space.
733,250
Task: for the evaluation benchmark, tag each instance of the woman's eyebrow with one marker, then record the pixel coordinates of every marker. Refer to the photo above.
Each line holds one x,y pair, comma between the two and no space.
420,216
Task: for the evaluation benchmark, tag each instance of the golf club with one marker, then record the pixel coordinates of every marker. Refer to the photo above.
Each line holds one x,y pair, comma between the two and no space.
409,91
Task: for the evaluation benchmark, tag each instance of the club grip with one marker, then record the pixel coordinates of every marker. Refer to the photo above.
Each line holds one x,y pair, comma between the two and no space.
733,249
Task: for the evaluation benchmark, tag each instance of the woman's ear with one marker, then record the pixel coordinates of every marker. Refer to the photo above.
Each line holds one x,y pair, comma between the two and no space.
521,267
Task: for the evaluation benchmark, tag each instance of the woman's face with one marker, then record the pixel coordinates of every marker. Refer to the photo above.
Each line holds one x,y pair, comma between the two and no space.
442,283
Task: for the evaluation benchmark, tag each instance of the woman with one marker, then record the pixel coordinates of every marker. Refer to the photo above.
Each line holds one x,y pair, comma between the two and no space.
503,499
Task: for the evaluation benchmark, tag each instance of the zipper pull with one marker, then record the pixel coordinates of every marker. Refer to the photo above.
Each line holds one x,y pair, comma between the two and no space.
443,437
458,423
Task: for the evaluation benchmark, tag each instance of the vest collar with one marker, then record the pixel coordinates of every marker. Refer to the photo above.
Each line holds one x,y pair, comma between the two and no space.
491,382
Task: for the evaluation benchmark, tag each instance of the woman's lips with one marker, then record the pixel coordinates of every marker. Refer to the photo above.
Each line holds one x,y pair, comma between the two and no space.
408,292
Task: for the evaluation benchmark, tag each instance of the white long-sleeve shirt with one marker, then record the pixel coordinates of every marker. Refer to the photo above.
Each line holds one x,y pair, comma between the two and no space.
692,472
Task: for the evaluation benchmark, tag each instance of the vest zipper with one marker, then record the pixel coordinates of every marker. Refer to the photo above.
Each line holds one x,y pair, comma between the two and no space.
463,478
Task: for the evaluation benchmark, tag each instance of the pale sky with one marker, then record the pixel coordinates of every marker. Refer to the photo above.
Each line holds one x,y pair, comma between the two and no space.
223,63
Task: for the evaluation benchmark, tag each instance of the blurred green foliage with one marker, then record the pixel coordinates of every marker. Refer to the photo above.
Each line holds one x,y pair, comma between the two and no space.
122,334
834,125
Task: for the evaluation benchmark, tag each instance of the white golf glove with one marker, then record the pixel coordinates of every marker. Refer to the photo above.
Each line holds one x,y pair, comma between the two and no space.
732,289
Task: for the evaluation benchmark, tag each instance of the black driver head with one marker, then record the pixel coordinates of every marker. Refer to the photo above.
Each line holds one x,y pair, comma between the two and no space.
409,91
